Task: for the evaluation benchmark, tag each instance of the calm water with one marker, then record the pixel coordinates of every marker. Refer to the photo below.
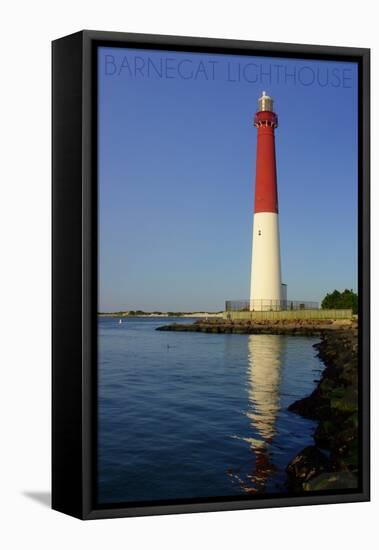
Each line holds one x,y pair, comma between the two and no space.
191,415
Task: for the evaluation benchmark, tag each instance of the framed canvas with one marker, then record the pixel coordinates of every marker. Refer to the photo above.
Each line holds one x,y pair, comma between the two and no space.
210,275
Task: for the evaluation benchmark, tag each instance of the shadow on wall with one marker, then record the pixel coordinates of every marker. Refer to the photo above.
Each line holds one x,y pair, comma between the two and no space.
42,497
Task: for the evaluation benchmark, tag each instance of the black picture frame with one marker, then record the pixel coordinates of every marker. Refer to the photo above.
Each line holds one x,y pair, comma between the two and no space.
74,270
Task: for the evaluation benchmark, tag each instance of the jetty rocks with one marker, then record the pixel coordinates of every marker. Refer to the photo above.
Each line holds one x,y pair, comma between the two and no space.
332,462
300,327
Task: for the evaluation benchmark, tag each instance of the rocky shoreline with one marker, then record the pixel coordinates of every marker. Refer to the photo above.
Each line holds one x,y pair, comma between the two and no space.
311,327
332,462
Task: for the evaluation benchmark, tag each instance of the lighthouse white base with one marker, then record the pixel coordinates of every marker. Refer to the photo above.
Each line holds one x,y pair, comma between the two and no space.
266,279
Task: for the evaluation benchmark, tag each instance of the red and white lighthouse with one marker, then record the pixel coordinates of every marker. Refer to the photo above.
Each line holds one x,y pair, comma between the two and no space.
266,291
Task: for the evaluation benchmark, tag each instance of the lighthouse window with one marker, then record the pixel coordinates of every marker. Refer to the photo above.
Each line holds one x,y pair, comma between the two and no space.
259,232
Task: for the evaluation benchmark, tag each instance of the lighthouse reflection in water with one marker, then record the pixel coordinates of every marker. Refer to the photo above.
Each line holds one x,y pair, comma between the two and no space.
266,354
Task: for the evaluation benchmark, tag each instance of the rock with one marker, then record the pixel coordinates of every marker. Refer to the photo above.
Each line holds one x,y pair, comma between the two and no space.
307,464
329,481
315,406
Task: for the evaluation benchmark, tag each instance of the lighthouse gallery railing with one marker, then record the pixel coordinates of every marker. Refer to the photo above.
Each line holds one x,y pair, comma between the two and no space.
268,305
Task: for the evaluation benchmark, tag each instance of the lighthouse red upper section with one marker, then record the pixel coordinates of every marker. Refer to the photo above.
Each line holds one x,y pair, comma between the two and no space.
266,194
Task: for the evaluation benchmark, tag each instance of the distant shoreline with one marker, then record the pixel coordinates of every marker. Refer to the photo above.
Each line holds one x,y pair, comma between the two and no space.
195,314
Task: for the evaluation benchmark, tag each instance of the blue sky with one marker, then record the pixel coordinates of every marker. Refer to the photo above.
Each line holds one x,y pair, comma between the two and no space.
176,176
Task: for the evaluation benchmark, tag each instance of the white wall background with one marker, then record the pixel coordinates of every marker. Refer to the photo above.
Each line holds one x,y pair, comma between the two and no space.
26,31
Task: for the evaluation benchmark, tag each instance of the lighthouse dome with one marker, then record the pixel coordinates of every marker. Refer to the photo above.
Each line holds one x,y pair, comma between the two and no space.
265,103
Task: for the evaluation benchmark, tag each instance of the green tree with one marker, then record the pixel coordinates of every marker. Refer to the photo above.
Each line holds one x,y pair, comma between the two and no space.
341,300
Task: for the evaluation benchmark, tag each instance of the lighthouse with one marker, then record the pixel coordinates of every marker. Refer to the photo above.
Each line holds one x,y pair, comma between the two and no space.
266,290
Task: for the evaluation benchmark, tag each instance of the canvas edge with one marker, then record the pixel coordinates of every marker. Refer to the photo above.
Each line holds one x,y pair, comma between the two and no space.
83,507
